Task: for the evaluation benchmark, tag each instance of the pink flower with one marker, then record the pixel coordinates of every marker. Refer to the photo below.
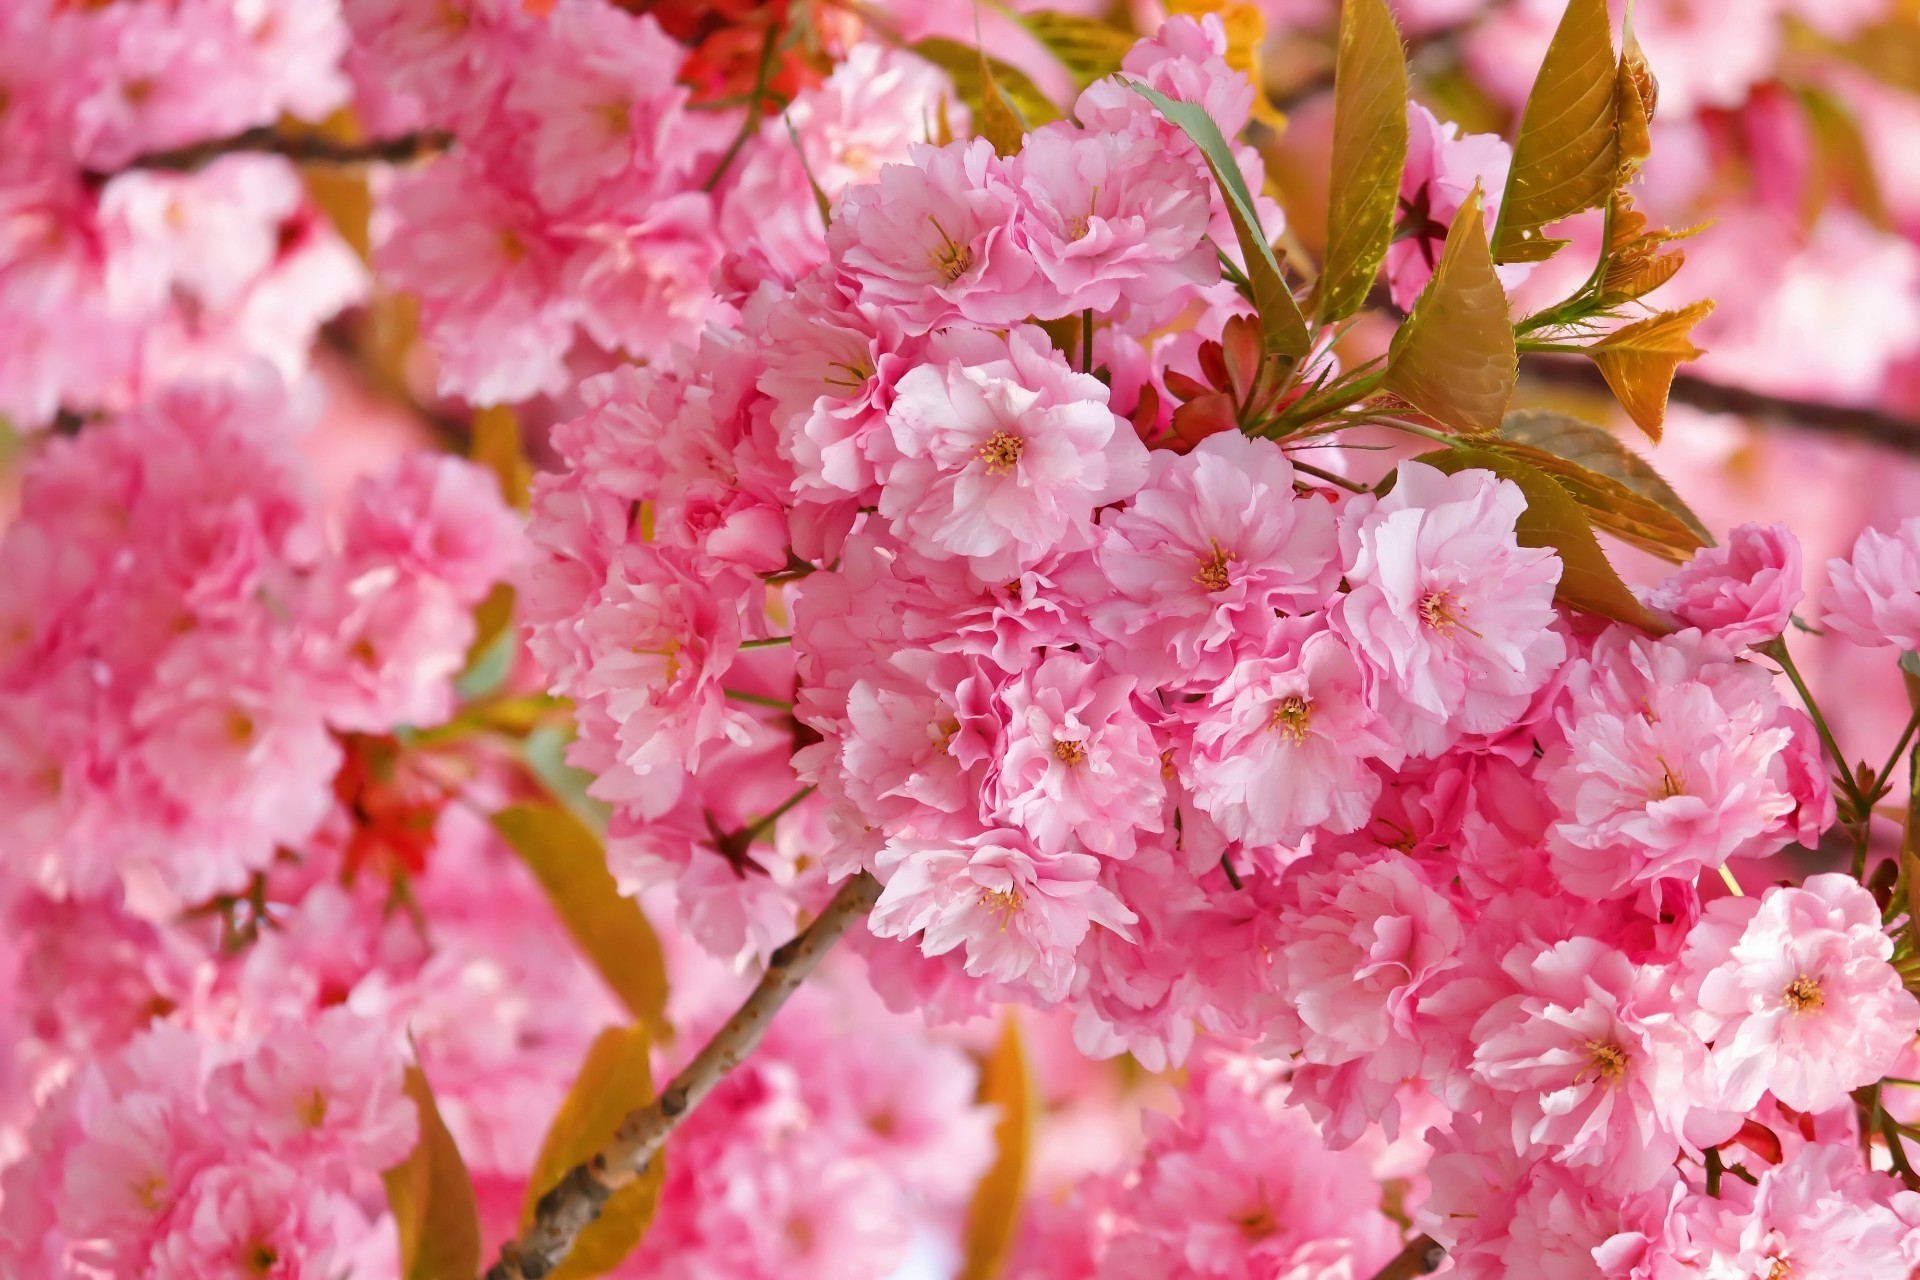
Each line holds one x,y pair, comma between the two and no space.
1111,217
1742,593
1209,549
1819,1213
1443,167
1451,615
1080,763
924,733
253,1220
1002,451
1795,994
1873,598
1590,1061
1019,913
1283,744
436,517
931,241
1677,756
1186,61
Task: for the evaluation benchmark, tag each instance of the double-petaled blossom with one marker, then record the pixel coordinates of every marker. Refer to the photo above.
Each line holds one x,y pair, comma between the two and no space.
1743,593
1873,596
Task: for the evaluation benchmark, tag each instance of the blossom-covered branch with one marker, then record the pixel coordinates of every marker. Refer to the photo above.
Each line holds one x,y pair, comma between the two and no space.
404,148
567,1209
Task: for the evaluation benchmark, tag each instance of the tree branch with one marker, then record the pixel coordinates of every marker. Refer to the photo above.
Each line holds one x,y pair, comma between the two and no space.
566,1210
1421,1257
1714,397
266,140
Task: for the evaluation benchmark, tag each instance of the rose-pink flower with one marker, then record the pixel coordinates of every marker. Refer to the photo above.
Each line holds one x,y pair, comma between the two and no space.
1795,993
1002,451
1873,597
1443,167
1743,593
1453,617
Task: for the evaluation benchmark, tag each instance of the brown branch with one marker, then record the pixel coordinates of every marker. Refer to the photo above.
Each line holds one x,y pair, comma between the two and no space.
564,1212
266,140
1715,397
1421,1257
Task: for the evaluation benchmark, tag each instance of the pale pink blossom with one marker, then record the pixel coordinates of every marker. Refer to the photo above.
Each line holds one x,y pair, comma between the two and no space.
1819,1213
1285,743
255,1218
1742,593
1795,994
1444,166
1206,552
1080,765
1186,61
1019,913
1873,596
1451,615
1001,452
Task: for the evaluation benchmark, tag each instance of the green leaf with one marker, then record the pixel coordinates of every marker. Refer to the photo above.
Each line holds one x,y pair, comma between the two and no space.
1621,492
995,1211
571,865
1910,663
1282,324
614,1080
1566,155
1086,47
432,1198
1369,153
1454,358
1553,519
963,65
1640,359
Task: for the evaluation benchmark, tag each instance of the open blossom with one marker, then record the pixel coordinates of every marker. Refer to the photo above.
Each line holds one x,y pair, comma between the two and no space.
1743,593
1111,218
1795,993
1818,1213
257,1219
1020,913
1443,168
931,241
1211,547
1284,743
1873,597
1001,451
924,733
1452,615
1080,763
1676,757
1589,1061
1186,61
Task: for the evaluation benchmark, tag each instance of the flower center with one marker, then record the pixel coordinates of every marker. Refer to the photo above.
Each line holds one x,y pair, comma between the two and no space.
848,377
1606,1060
1213,575
1069,753
952,259
617,116
1803,993
1292,716
1005,903
313,1110
944,731
1672,782
262,1258
1001,453
1780,1270
1442,611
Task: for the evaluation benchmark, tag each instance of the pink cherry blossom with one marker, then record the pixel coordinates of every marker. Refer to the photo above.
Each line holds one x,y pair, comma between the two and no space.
1451,615
1743,593
1001,452
255,1219
1209,549
1873,597
1795,994
1443,168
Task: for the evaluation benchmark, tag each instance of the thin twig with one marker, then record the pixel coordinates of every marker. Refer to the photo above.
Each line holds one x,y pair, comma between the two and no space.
266,140
750,125
1421,1257
577,1201
1714,397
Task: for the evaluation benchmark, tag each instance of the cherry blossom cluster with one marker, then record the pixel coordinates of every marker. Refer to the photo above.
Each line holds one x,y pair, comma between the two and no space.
912,573
116,281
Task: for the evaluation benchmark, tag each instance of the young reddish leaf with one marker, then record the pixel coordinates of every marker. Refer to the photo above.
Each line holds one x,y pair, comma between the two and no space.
1086,47
1635,93
1241,355
1369,153
1246,28
1760,1140
1146,414
1566,156
432,1198
995,1211
1184,386
1639,361
1621,492
571,865
1280,319
1454,358
614,1079
1588,581
1204,416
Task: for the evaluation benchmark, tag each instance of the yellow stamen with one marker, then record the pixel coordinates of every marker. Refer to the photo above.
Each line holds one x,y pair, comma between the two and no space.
1803,993
1214,575
1001,453
1069,753
1293,717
